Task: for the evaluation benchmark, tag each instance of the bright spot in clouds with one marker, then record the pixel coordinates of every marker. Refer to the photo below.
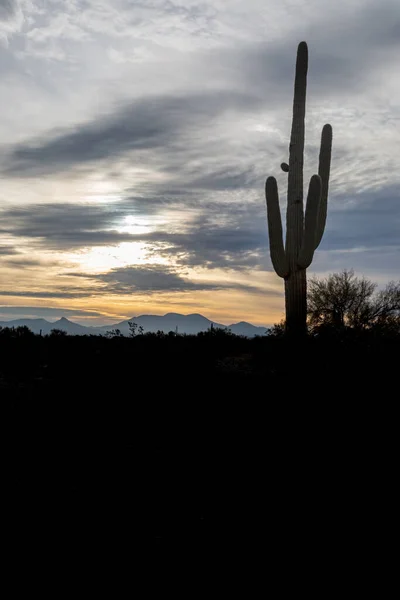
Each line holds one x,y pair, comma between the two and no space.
101,259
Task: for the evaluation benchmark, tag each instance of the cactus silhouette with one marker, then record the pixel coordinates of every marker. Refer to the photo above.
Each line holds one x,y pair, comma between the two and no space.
303,232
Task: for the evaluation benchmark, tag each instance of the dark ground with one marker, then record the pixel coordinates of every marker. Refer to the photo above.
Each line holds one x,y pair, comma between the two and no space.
208,444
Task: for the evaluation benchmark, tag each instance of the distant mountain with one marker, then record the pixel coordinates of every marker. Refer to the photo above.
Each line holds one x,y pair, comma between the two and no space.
70,327
190,324
41,325
246,329
185,323
34,325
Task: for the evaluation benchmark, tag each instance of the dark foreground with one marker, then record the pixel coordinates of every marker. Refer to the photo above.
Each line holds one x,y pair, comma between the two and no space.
209,444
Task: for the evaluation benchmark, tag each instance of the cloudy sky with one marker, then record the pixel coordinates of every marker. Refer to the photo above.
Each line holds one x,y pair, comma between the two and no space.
136,137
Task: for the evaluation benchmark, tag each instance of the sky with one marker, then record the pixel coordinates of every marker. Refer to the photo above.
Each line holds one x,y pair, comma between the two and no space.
136,137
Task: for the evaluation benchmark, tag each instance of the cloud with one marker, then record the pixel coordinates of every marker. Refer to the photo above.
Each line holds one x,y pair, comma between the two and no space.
151,123
153,278
7,250
24,261
142,24
370,219
233,236
63,293
46,311
207,243
8,9
343,57
11,18
225,179
64,226
225,235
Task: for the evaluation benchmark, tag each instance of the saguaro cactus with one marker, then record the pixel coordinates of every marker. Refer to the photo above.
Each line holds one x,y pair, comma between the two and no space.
303,232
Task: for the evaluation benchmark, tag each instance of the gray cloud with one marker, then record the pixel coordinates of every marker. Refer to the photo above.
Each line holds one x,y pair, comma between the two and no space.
378,264
343,56
227,235
208,243
194,188
26,262
225,179
232,236
65,226
63,293
149,278
371,219
152,278
8,9
7,250
235,236
47,311
149,123
11,18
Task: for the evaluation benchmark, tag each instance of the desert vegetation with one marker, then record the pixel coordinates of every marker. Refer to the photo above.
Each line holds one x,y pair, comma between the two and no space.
184,414
344,311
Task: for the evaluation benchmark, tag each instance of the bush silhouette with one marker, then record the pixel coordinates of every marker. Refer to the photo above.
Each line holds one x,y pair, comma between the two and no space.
344,300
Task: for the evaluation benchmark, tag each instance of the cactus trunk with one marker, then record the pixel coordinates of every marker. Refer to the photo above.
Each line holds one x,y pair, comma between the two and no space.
303,233
295,284
296,303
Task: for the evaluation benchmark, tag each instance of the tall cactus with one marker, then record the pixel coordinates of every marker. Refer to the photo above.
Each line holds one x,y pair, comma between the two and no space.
303,232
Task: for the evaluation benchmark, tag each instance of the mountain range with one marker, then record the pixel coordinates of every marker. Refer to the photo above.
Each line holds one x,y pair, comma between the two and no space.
190,324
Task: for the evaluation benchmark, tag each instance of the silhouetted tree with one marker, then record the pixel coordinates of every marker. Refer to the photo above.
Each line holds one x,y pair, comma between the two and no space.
114,333
344,300
135,329
386,304
17,332
277,330
217,332
58,333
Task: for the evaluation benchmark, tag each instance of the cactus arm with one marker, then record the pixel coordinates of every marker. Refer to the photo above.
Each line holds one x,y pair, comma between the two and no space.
311,218
324,172
276,248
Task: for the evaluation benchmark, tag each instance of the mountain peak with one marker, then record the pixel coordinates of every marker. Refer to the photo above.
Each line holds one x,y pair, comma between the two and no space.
197,316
